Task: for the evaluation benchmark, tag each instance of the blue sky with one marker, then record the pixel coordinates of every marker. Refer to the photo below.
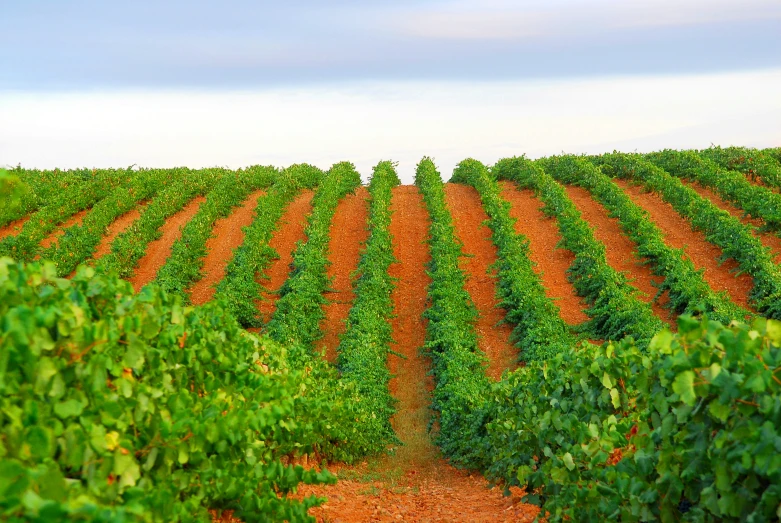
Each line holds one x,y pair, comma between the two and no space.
240,44
159,84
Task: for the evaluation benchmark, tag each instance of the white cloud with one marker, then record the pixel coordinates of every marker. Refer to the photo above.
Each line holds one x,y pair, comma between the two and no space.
513,20
368,122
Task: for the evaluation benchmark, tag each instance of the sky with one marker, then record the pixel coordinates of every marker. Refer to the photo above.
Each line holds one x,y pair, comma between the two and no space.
202,83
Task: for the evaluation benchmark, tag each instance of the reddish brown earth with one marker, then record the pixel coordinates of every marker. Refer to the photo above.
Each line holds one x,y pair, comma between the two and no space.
349,231
115,229
469,219
54,237
679,234
551,263
619,249
292,227
227,235
158,251
768,239
13,228
414,484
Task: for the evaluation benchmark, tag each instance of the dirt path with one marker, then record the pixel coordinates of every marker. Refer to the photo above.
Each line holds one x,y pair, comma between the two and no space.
13,228
54,237
469,216
414,484
291,229
115,229
158,251
551,263
620,250
349,231
227,235
678,233
768,239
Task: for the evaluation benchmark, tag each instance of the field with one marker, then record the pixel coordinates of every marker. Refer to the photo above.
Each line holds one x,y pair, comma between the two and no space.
582,338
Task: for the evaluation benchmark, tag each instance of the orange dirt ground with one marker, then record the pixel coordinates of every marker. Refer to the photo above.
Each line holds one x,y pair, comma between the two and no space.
54,237
414,484
115,229
678,233
227,235
158,251
620,250
768,239
13,228
291,229
551,263
349,231
468,218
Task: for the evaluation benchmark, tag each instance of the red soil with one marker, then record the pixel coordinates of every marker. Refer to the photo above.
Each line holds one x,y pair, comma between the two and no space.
349,232
620,250
158,251
414,484
551,263
468,218
768,239
291,229
115,229
227,235
13,228
678,233
54,237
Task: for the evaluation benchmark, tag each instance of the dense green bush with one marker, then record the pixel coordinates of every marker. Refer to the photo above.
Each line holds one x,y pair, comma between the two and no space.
119,406
754,163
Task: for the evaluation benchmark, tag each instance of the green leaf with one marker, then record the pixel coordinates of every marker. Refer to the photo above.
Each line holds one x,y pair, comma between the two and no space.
567,458
69,408
606,382
719,410
615,397
684,387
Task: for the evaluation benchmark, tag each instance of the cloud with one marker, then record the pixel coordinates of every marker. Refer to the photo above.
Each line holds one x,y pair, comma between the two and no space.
365,122
503,20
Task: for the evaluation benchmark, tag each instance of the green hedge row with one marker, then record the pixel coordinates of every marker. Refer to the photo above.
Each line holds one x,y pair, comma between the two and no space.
538,329
753,163
184,267
687,292
759,202
239,290
451,341
722,229
79,241
299,309
124,407
615,309
61,205
130,246
364,347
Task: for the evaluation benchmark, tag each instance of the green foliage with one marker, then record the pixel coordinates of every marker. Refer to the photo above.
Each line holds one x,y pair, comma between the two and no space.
239,291
614,307
753,163
537,325
12,192
758,202
130,246
686,290
184,266
299,309
37,188
79,241
60,206
684,430
458,362
130,407
365,345
722,229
